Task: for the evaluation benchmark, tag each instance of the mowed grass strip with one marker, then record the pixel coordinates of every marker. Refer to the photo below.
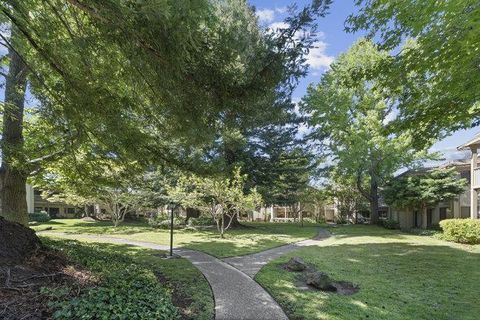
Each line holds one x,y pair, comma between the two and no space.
401,276
252,238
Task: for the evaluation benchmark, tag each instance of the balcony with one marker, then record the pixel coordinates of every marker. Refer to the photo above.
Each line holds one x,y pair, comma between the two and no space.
476,178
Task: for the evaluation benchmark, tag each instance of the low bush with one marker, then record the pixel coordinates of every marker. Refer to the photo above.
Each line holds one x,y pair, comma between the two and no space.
39,216
201,221
461,230
162,223
390,224
126,290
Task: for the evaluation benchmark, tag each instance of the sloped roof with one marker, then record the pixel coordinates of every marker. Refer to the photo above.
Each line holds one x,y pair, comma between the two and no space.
475,142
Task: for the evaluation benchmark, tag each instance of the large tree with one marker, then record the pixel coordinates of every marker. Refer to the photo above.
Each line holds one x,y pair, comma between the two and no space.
349,112
149,81
437,60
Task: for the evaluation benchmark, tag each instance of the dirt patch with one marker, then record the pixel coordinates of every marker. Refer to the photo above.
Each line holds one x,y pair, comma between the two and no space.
17,242
20,284
26,266
345,288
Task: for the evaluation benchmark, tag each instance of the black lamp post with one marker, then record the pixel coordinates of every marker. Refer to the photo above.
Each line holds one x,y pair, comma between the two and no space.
171,207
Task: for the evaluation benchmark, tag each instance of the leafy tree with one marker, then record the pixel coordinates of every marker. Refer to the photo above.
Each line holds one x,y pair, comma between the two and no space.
437,62
146,81
350,112
423,190
348,200
314,200
225,198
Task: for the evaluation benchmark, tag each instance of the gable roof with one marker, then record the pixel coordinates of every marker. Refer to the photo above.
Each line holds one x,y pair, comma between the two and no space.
474,143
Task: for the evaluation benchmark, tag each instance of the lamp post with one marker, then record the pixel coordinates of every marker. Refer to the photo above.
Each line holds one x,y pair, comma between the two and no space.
172,207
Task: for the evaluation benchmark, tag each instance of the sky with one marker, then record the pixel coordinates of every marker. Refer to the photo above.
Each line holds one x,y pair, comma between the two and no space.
333,40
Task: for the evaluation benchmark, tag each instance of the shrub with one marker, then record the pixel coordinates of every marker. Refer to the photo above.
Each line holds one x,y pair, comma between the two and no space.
41,216
390,224
163,223
201,221
461,230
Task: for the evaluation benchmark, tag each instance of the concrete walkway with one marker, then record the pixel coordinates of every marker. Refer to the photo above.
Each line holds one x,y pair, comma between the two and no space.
237,296
252,263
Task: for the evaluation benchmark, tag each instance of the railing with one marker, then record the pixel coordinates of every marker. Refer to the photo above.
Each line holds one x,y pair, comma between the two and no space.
476,178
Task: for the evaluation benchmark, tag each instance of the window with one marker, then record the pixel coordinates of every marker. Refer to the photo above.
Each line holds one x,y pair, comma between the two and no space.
70,210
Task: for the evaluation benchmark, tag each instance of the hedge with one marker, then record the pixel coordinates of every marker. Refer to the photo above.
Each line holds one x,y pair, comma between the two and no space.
39,217
461,230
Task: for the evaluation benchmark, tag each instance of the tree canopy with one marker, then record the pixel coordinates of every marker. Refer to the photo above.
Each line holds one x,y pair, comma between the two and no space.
349,111
151,82
437,60
419,190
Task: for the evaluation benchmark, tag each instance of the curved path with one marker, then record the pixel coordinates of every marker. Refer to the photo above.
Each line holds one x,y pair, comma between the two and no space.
252,263
236,294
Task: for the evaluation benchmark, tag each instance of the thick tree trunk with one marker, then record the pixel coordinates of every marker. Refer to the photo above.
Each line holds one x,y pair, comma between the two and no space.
12,176
373,201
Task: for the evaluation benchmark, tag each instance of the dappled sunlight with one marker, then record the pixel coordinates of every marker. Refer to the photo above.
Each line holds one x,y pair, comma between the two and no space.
253,238
403,277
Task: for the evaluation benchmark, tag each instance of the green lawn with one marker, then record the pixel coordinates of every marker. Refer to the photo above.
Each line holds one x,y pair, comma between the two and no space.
112,264
256,237
401,276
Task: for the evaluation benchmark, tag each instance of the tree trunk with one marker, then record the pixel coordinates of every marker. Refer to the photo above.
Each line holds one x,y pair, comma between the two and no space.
373,201
222,230
12,176
235,223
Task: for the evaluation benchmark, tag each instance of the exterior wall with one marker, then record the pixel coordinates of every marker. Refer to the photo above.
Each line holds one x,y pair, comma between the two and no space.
35,203
405,219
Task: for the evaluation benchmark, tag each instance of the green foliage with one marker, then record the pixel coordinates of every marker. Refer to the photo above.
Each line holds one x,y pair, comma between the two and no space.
422,190
437,64
350,112
461,230
39,216
390,224
201,221
162,223
126,290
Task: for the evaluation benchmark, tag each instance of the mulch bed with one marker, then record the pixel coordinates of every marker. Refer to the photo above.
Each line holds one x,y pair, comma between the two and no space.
26,266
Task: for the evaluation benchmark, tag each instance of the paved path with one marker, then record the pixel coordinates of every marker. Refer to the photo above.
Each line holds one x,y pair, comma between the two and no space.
252,263
237,296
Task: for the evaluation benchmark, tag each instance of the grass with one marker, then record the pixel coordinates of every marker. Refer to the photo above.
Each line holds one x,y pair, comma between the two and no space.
401,276
255,238
184,283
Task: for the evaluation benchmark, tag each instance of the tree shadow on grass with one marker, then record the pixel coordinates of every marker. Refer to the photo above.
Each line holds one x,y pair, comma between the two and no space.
222,249
397,281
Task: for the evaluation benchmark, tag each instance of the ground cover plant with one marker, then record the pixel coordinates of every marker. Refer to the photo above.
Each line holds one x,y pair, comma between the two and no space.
253,237
95,281
400,276
134,283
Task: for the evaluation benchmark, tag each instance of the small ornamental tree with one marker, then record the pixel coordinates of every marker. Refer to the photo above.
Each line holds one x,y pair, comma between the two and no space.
225,199
422,191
